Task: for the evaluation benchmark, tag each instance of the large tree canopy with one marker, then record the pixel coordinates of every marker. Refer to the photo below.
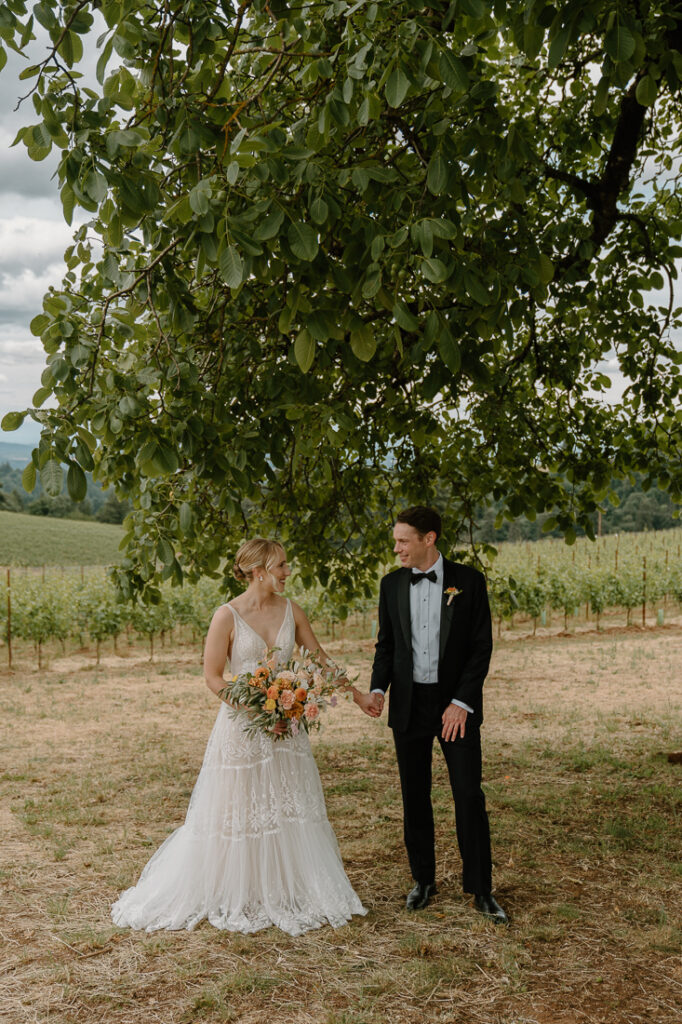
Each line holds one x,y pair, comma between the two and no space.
344,256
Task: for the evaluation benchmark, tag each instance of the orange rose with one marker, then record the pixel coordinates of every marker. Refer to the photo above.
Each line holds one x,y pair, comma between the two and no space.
300,694
273,693
297,709
259,676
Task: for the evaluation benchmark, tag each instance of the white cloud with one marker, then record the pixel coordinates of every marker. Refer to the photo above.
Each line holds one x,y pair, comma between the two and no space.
33,243
22,361
21,293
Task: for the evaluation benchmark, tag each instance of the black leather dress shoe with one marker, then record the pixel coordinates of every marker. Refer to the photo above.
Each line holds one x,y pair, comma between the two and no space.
418,897
490,908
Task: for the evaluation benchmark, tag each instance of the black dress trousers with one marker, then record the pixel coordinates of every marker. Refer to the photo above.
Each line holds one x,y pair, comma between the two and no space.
414,752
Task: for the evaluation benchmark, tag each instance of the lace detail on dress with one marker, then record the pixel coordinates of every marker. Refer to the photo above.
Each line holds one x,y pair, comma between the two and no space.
249,648
256,848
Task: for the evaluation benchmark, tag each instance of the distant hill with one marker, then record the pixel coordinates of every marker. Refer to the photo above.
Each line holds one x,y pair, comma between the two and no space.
44,540
16,454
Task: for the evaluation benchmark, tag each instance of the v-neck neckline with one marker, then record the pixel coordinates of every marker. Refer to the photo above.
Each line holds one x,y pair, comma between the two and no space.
255,631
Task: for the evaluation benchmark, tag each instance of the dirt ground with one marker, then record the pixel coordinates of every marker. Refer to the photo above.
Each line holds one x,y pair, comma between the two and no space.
97,764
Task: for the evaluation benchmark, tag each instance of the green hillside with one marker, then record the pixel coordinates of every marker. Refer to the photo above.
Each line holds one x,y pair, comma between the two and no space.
44,540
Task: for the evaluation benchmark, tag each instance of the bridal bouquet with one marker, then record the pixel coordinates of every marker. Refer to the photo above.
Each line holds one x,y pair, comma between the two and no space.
293,693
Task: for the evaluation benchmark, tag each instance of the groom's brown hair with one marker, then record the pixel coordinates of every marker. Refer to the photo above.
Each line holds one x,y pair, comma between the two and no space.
422,518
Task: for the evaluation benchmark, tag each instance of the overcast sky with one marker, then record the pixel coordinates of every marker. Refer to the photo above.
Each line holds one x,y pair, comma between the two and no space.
33,237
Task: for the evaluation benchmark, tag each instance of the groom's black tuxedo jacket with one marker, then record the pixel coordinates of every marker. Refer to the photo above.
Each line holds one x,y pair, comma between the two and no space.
466,642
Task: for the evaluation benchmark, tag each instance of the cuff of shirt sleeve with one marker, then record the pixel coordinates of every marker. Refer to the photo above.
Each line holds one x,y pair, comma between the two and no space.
377,691
461,704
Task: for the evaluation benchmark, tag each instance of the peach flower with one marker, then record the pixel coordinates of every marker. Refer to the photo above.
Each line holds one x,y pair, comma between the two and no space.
311,712
273,692
288,699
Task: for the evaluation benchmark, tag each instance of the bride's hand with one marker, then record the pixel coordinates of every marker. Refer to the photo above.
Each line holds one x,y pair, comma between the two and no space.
280,728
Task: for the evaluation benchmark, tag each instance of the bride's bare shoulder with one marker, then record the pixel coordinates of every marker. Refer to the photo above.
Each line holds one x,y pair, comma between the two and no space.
299,614
223,618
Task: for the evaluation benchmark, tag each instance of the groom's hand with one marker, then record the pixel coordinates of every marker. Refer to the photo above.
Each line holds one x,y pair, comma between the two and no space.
454,722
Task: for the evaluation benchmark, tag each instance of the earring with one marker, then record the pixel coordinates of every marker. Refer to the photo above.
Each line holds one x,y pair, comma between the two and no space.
260,578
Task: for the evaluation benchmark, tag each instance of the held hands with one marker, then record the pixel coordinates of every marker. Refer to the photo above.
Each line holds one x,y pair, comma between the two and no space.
371,703
454,722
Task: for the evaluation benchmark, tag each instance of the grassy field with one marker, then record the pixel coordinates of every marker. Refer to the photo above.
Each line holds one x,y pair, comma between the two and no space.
98,765
43,540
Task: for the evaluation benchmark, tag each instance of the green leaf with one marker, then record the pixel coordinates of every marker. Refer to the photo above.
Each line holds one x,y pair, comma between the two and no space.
303,241
404,318
437,174
12,420
164,550
96,186
185,517
647,90
396,87
231,266
545,269
557,47
76,483
475,287
449,351
165,461
199,198
38,324
3,57
29,72
619,43
52,478
434,270
269,226
452,72
28,477
41,395
533,38
104,60
319,210
601,96
304,349
68,202
41,136
363,343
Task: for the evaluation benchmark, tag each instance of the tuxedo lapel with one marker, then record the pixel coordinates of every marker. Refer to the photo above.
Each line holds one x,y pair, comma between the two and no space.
447,611
404,607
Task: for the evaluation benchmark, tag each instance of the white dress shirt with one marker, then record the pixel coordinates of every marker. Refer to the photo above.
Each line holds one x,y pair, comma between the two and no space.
426,598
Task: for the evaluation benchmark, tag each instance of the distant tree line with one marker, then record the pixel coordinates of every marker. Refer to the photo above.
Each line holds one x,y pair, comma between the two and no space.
638,509
97,505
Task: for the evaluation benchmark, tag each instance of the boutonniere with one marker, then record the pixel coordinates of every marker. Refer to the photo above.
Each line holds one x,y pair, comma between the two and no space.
451,592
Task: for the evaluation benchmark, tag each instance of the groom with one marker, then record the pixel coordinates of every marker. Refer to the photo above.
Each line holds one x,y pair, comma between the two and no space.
433,650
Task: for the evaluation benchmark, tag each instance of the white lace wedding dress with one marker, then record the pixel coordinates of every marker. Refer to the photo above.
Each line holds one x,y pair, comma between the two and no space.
256,848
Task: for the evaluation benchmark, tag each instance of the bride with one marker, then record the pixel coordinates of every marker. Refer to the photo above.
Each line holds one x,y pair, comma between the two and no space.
256,848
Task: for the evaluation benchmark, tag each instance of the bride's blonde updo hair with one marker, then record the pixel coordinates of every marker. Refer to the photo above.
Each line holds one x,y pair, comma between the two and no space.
255,553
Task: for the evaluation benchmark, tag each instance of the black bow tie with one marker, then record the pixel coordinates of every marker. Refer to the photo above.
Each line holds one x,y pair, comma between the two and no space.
417,576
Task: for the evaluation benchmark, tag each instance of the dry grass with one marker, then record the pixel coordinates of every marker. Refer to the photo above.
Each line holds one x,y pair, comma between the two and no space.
98,764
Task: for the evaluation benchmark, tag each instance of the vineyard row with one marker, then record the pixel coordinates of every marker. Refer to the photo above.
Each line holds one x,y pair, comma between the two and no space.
74,606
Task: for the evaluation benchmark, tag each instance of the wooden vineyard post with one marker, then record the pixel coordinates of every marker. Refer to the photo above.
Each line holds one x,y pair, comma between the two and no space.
644,590
9,623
